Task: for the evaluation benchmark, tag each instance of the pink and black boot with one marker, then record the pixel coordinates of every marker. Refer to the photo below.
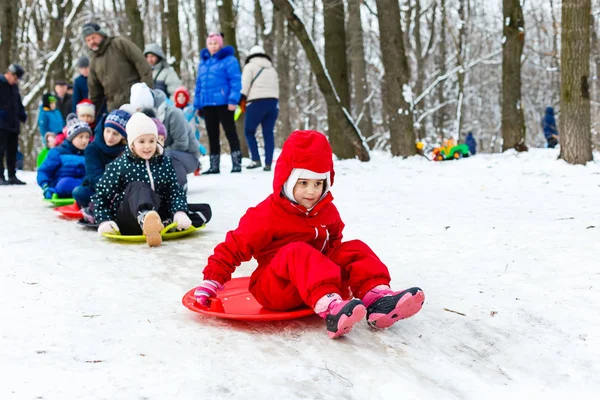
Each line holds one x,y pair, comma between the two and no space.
385,307
339,315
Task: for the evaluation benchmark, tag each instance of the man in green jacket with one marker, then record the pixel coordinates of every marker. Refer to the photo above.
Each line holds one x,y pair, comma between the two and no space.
116,65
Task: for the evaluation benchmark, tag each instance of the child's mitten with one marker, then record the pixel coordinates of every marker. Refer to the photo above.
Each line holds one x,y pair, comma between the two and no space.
183,221
48,191
108,227
205,290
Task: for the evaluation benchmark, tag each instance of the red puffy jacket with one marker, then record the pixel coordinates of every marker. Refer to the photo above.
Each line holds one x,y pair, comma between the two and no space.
277,221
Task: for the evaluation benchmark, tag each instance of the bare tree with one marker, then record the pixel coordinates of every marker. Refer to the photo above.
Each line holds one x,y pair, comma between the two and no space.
358,66
323,80
337,66
9,17
228,23
513,126
174,38
136,24
397,98
202,32
575,130
283,70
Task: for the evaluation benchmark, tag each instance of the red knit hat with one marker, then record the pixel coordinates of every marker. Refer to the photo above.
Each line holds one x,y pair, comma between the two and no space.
86,107
183,91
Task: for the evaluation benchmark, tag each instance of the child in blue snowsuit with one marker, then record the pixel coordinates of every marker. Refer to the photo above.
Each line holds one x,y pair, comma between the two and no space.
549,127
64,168
106,147
50,120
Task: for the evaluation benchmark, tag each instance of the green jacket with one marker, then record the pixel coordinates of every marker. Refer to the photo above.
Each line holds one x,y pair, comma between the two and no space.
157,172
114,68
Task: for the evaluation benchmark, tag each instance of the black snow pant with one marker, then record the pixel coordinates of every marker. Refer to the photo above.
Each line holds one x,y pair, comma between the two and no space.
214,115
9,142
139,197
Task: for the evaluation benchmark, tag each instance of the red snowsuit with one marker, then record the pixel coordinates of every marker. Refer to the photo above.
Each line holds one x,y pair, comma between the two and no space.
300,253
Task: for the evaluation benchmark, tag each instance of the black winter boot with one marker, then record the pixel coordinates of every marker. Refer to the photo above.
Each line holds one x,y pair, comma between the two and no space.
215,164
236,161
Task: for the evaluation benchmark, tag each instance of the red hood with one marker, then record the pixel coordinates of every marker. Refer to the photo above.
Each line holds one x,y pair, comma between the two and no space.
186,94
303,149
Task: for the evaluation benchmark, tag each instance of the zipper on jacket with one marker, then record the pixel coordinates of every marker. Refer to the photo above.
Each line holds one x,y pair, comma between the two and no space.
150,175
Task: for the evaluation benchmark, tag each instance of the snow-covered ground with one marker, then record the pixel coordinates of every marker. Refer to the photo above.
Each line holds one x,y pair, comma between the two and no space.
510,241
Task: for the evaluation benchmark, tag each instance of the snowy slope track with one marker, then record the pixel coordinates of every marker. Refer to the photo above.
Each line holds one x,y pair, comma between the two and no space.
506,248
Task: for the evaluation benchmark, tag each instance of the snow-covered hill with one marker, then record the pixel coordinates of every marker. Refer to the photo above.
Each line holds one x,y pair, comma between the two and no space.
510,241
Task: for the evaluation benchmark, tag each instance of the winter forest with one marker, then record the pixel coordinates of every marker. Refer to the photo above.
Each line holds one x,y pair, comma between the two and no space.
407,70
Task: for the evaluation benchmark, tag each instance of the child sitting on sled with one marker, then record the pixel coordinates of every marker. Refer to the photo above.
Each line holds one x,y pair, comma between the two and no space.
139,189
102,151
296,237
64,167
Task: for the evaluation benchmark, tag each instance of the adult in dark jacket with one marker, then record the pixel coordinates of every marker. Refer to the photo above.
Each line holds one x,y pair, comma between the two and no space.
12,113
63,99
109,143
217,94
115,66
80,85
471,143
549,127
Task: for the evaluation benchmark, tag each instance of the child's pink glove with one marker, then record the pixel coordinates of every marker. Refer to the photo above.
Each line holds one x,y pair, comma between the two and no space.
108,227
205,290
183,221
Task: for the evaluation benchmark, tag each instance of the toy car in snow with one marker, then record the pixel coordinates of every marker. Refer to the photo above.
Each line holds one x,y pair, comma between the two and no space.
450,151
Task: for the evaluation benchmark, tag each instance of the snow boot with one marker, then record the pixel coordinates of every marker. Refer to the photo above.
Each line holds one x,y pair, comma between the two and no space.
254,164
267,167
13,180
385,307
151,226
236,161
88,214
341,315
215,164
3,181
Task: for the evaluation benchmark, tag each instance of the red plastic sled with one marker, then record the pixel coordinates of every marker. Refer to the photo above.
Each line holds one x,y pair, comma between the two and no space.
70,211
236,302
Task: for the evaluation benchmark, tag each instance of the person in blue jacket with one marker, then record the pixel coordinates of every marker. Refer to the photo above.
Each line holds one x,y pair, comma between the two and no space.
471,143
217,94
105,148
549,127
50,120
64,167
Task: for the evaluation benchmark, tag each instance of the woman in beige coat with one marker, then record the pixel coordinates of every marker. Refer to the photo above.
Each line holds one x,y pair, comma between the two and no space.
260,92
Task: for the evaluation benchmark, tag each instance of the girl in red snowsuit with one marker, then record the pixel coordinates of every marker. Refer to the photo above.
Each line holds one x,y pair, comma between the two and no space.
295,234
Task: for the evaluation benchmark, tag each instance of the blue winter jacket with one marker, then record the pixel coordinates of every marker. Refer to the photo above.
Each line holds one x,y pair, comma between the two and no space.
63,161
50,121
219,79
97,155
471,143
549,123
80,91
12,111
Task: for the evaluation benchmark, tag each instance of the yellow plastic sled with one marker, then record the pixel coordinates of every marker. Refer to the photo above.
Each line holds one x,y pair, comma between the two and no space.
166,235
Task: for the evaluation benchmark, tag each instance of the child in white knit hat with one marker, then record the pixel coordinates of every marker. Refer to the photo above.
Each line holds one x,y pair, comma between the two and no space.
139,189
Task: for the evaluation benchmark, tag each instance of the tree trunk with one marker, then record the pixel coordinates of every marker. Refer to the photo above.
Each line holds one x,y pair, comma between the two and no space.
201,24
283,70
575,130
9,17
324,82
136,24
174,38
441,115
228,24
358,66
58,72
337,66
397,110
460,55
512,128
